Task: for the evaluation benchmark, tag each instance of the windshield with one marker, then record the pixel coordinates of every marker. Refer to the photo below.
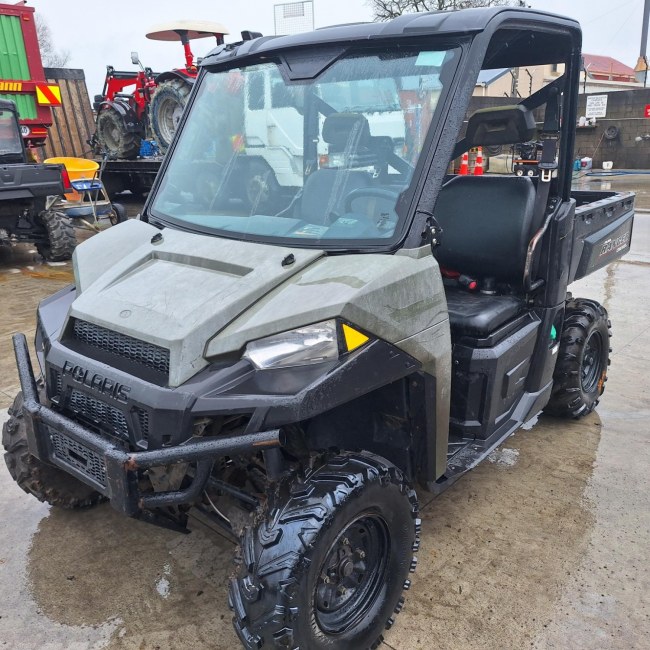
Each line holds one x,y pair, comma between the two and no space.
322,161
10,143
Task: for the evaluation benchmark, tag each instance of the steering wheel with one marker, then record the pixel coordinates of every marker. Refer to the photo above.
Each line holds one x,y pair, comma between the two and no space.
371,192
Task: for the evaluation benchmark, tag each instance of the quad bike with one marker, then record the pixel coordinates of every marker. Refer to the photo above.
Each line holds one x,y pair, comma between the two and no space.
153,108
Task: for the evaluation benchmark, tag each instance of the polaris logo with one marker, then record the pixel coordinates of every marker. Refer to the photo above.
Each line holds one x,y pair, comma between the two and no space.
96,382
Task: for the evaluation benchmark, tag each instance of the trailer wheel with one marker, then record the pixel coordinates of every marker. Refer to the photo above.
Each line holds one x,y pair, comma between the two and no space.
113,136
583,358
327,562
61,238
117,214
46,482
166,110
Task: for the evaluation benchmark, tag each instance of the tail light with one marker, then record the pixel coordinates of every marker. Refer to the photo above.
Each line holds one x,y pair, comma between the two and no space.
65,177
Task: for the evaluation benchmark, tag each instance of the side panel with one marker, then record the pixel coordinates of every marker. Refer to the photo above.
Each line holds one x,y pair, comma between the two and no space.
20,59
602,232
13,64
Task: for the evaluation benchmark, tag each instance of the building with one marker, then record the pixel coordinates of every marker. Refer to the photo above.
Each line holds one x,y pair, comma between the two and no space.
600,74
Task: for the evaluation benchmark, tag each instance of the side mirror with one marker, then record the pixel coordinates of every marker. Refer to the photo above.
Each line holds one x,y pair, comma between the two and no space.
135,59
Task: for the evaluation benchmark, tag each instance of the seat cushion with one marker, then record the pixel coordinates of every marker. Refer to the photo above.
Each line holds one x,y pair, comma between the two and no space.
476,314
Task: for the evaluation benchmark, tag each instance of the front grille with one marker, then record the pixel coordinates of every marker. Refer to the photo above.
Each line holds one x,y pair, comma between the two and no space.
78,456
99,412
149,355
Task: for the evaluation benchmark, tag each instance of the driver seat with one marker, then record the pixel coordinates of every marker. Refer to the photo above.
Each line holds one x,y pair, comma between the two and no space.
324,192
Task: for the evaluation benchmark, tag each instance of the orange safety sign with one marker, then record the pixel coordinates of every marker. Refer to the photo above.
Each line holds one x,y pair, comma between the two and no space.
48,95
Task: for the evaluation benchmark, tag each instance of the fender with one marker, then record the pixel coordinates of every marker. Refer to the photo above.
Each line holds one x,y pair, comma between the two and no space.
128,115
183,75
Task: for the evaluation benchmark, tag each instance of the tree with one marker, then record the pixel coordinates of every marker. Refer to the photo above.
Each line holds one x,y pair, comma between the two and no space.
387,9
52,58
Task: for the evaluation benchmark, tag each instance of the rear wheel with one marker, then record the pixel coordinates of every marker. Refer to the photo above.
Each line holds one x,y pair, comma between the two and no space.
327,562
113,136
166,110
61,238
46,482
583,358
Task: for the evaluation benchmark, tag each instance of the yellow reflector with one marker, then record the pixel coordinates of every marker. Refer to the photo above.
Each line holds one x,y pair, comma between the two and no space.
353,339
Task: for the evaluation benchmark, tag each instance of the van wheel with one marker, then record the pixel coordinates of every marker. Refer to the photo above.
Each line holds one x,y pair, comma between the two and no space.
327,562
583,359
61,238
260,188
45,482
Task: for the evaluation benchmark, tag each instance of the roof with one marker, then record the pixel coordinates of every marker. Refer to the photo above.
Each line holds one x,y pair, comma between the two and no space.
597,64
465,21
486,77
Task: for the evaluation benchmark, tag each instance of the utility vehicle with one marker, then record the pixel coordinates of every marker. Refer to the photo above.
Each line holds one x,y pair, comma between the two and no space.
26,212
291,368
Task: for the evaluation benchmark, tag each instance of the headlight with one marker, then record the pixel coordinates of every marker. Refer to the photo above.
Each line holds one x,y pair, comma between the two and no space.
304,345
299,347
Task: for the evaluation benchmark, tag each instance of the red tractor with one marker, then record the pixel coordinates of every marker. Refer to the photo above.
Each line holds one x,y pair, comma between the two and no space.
153,108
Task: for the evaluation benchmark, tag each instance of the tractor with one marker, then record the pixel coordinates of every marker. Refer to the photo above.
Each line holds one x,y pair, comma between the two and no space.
153,106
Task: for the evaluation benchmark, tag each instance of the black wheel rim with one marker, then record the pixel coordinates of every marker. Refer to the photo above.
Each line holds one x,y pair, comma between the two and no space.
352,575
591,362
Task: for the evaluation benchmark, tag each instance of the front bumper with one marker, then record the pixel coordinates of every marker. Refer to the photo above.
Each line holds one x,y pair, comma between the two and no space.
110,468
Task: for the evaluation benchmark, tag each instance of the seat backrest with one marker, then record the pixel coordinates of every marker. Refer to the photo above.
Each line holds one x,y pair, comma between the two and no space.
487,224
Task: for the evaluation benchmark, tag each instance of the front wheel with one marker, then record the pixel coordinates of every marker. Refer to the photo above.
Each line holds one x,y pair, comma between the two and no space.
45,482
581,369
327,562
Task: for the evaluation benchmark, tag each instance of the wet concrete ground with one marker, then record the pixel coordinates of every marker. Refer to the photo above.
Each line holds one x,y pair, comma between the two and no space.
543,547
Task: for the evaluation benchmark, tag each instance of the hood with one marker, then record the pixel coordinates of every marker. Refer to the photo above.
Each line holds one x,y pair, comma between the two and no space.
176,292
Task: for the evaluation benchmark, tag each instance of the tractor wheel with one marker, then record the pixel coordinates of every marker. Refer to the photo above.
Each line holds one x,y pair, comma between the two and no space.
117,214
61,239
113,136
166,110
581,368
327,561
46,482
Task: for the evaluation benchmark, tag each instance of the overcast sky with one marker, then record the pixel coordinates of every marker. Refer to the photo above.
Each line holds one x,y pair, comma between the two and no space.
104,32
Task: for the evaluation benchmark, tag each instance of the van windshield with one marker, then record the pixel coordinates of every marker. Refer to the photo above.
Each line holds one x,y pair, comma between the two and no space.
323,162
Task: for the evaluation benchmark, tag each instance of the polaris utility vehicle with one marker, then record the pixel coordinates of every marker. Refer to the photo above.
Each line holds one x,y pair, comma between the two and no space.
290,368
26,212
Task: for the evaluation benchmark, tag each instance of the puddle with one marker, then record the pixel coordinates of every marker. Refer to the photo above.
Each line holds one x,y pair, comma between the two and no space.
498,547
157,587
46,273
23,624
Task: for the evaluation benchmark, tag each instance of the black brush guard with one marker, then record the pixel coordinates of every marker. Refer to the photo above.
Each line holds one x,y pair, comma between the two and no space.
110,469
